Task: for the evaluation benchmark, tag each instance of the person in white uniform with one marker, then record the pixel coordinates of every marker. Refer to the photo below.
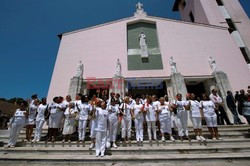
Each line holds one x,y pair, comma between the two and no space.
195,116
113,122
150,110
102,116
125,110
210,116
69,122
54,119
17,123
31,121
181,116
84,109
137,114
164,112
95,103
40,119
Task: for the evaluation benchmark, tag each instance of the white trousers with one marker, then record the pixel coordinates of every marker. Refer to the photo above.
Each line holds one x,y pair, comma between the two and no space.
100,144
126,127
92,125
182,123
82,129
38,130
151,127
139,129
165,121
14,133
112,131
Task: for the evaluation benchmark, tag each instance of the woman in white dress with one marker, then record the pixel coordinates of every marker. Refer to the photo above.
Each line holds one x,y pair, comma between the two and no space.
54,119
125,110
31,121
210,116
69,122
16,124
196,116
164,113
40,119
150,110
137,114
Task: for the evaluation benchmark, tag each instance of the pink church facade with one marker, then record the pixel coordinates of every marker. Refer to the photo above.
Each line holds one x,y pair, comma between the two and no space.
190,45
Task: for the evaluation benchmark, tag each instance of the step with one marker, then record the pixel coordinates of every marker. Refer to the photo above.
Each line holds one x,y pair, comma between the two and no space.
146,143
125,158
132,150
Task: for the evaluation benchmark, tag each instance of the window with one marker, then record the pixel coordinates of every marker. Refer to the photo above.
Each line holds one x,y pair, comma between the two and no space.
219,2
231,25
191,16
244,53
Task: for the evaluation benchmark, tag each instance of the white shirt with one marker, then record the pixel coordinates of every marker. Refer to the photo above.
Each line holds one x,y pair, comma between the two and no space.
150,108
195,108
84,109
69,114
40,112
164,109
32,111
102,117
53,108
180,105
215,99
113,113
126,110
19,117
208,108
137,111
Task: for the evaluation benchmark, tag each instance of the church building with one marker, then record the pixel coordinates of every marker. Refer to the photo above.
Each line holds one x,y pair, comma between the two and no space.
208,48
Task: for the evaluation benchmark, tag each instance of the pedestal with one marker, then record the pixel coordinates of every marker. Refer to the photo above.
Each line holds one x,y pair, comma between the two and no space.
178,85
223,85
118,85
76,86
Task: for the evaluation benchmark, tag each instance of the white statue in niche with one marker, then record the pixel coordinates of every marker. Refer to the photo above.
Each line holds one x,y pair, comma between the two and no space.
118,69
172,65
79,70
143,45
212,64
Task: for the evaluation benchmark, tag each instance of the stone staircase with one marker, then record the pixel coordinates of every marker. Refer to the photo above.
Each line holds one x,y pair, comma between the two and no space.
234,149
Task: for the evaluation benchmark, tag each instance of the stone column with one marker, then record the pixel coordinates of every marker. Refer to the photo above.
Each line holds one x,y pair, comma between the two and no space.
178,85
223,85
118,85
76,86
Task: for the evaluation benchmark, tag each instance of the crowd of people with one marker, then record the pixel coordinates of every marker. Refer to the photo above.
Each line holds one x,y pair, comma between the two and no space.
108,118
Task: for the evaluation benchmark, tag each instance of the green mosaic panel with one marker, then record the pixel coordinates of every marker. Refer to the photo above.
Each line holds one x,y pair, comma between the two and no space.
135,62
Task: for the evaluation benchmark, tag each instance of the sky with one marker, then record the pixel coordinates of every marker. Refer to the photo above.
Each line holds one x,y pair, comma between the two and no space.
29,29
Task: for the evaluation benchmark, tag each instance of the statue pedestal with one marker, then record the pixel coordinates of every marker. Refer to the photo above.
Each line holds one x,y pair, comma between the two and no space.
178,85
118,85
76,86
223,85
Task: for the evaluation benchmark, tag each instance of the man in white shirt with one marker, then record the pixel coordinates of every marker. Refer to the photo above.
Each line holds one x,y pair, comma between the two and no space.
220,111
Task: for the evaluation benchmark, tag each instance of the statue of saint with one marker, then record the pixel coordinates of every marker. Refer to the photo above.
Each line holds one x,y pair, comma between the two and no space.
79,70
143,45
172,65
212,64
118,69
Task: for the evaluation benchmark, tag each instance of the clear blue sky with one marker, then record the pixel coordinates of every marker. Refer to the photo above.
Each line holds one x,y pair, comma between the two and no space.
29,29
